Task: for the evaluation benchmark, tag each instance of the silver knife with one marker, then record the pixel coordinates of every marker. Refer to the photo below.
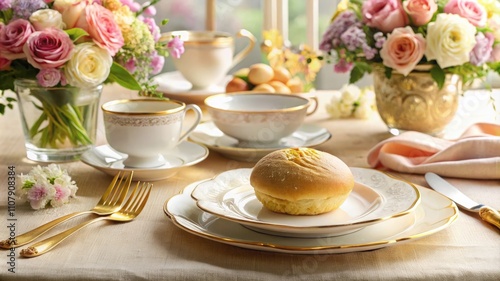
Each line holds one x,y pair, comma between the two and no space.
486,213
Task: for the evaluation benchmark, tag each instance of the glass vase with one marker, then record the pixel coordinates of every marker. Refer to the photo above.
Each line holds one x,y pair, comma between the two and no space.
415,102
59,123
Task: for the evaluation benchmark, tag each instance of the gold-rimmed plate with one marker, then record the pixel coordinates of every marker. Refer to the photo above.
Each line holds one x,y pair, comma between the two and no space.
433,214
375,197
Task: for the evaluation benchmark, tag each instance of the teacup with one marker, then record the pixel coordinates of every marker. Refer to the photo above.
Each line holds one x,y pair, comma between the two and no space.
208,55
144,129
259,119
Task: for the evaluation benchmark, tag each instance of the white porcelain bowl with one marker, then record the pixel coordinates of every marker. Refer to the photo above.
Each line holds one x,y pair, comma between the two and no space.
258,118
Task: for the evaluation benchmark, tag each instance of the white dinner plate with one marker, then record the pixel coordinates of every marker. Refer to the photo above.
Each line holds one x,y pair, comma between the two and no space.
375,197
174,86
108,160
208,134
433,214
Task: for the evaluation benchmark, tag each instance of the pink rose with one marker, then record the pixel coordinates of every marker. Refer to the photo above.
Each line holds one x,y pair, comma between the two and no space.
4,63
483,49
420,11
474,12
403,49
495,54
71,11
12,38
49,77
99,22
48,48
385,15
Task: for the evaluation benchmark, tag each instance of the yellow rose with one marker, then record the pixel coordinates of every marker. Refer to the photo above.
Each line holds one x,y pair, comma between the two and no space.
89,66
450,39
45,18
491,6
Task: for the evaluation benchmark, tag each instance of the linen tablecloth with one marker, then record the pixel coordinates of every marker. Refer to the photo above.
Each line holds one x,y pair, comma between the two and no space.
153,248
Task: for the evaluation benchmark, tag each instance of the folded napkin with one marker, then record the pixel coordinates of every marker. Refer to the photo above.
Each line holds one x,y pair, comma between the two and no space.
475,154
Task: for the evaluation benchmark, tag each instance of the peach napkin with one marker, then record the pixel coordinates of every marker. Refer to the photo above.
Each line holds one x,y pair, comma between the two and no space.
475,154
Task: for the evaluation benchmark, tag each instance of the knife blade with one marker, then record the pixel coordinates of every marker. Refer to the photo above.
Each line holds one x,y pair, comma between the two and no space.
486,213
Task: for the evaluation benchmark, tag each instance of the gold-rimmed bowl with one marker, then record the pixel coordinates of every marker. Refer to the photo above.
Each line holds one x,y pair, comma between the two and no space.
255,118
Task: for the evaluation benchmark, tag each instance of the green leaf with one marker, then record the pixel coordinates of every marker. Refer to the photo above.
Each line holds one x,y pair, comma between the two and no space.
121,76
358,71
438,75
76,33
388,72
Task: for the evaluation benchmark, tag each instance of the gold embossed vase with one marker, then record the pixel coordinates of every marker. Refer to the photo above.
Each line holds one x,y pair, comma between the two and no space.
59,123
415,102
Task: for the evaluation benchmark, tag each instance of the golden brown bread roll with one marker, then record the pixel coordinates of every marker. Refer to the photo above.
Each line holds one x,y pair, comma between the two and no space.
281,74
264,88
237,85
301,181
260,73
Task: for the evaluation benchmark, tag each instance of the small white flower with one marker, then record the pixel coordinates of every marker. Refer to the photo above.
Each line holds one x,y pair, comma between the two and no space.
46,186
350,93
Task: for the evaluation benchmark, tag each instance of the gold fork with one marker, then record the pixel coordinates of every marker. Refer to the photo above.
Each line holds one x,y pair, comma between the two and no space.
110,202
128,212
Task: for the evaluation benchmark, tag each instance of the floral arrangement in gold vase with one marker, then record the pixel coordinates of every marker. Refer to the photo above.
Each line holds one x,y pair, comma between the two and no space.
412,46
56,54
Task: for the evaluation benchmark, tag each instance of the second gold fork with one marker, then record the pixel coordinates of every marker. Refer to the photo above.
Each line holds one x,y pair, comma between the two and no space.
130,210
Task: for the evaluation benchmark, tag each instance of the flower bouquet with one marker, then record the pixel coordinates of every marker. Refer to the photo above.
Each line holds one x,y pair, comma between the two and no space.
51,51
302,61
422,53
439,36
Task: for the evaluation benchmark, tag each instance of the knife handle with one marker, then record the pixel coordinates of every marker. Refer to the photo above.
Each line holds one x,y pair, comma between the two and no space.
490,215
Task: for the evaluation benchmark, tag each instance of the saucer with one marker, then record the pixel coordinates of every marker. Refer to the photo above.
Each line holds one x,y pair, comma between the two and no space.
109,161
174,86
375,197
208,134
435,213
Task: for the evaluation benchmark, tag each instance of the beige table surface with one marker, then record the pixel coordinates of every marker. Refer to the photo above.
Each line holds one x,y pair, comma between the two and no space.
153,248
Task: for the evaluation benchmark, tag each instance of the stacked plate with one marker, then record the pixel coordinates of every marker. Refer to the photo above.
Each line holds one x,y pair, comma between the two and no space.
379,212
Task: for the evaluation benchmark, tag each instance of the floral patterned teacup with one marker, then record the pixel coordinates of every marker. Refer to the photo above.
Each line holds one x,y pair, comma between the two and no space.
145,129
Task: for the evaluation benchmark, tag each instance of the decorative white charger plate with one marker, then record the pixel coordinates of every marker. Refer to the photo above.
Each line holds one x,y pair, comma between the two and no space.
109,161
375,197
174,86
208,134
434,213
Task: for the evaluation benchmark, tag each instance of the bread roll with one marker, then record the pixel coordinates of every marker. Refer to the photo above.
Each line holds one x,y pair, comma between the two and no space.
260,73
301,181
281,74
237,85
264,88
279,87
295,85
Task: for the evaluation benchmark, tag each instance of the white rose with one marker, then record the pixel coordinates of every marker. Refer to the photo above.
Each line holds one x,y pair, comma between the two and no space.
332,108
89,66
46,18
350,93
450,39
346,109
363,111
